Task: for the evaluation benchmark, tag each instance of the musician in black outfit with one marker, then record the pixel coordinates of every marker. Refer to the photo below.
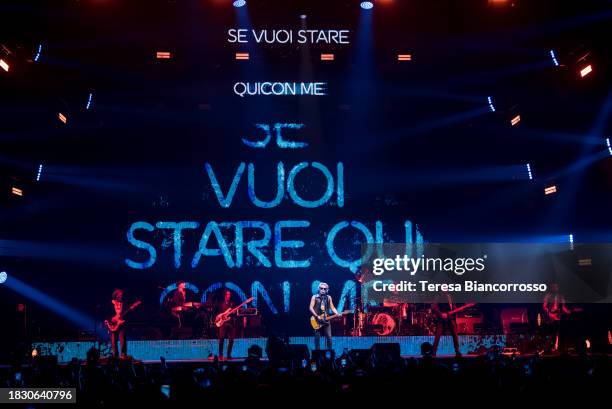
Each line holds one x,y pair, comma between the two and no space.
322,304
177,302
445,318
118,335
228,329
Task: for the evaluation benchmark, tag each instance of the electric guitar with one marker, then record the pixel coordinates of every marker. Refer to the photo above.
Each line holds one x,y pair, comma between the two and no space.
323,319
224,317
449,314
119,319
558,314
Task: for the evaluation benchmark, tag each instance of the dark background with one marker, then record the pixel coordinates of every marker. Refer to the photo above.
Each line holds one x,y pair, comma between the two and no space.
416,139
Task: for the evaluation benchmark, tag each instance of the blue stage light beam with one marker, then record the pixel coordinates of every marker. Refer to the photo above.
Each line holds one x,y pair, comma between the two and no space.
63,310
553,57
38,52
529,171
39,173
239,3
367,5
491,105
89,101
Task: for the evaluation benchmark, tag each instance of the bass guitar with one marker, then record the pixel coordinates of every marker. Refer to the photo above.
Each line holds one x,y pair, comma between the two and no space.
224,317
118,320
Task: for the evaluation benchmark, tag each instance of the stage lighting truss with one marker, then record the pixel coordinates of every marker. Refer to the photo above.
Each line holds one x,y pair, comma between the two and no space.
39,172
583,65
529,172
163,55
549,190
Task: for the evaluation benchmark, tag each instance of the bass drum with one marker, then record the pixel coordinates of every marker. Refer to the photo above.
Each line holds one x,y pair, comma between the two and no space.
385,321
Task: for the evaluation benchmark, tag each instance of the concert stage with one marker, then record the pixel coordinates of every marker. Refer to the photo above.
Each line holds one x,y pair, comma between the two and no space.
198,349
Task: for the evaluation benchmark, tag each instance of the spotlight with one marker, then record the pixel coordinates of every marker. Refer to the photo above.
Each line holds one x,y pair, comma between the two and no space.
89,98
550,190
586,70
163,55
3,277
367,5
529,171
38,51
303,16
239,3
4,65
16,191
40,167
34,353
242,56
515,121
553,56
609,146
62,117
491,106
404,57
327,57
585,262
570,238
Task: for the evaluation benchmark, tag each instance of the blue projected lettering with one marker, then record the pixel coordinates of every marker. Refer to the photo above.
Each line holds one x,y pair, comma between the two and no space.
253,246
233,243
273,243
263,143
203,250
178,230
282,143
310,203
257,288
352,265
227,200
141,245
288,244
280,187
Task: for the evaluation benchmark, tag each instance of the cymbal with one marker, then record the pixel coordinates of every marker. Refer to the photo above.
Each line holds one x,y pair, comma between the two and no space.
192,304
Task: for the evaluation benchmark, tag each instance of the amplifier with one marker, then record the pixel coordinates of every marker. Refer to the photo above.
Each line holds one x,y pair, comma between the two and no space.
242,312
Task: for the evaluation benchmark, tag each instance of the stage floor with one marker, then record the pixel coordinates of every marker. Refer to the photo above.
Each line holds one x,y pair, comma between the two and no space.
203,349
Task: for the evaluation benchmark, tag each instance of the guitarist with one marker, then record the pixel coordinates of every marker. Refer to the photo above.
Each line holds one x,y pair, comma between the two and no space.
118,335
321,307
228,328
555,307
444,312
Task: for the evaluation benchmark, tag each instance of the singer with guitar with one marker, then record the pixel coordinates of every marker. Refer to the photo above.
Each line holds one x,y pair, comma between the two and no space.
445,311
116,324
322,310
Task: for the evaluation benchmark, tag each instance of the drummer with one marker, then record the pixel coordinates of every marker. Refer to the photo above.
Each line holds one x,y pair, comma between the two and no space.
178,301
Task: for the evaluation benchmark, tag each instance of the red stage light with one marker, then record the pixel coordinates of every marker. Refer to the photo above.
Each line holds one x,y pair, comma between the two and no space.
586,70
16,191
4,65
515,121
327,57
242,56
164,55
404,57
62,117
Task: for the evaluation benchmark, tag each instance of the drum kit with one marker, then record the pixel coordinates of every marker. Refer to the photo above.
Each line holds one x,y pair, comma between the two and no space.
394,319
197,314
